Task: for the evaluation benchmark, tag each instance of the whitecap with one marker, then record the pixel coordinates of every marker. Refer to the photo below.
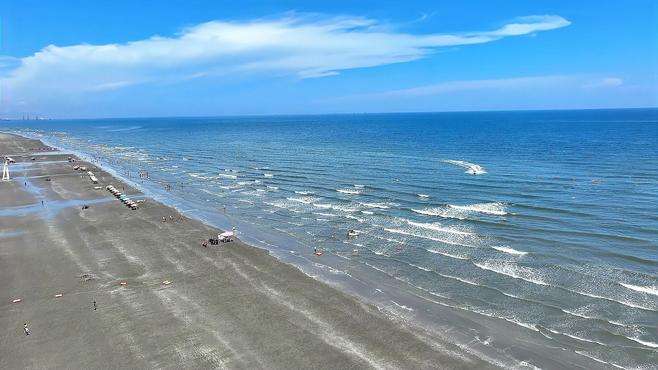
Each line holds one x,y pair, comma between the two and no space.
512,270
510,251
644,343
420,267
349,191
377,205
460,279
334,206
495,208
625,303
402,306
438,227
447,254
442,240
643,289
304,200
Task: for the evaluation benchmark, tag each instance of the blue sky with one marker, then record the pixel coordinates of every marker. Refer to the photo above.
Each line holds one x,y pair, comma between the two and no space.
191,58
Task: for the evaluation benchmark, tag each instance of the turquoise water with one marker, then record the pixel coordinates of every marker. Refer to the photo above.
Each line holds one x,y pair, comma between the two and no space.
547,220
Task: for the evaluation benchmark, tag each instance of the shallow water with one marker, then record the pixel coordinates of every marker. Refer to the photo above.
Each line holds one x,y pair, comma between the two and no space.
544,219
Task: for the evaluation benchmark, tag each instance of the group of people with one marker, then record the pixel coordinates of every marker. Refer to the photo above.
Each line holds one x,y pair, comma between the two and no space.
171,218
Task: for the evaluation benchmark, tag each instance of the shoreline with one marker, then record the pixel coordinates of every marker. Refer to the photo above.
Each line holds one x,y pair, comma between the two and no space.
296,321
429,325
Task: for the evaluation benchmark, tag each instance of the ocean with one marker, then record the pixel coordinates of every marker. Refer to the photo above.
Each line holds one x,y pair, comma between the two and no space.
543,224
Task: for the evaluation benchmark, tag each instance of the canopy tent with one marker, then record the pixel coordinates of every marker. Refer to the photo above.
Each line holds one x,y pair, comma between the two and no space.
226,236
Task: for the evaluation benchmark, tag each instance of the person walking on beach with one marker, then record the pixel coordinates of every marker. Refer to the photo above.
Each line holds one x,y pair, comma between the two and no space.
42,202
26,329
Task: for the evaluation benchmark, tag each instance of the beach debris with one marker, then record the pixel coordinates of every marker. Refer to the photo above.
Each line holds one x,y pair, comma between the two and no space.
17,300
166,282
317,252
58,295
86,276
123,283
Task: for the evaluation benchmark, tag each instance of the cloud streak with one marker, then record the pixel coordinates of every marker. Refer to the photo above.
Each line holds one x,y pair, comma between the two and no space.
522,84
306,47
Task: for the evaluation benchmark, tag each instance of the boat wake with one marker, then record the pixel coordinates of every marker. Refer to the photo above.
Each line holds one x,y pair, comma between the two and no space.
471,168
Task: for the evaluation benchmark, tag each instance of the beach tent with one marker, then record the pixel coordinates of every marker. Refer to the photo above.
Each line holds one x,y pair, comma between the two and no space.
226,236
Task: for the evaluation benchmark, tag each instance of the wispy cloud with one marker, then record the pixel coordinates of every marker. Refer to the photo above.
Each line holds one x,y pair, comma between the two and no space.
306,47
604,82
489,85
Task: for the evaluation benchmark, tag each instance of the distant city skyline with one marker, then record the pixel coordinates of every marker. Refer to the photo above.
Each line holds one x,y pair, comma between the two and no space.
203,58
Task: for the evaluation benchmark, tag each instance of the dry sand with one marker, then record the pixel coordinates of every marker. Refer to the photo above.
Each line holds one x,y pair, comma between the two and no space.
230,305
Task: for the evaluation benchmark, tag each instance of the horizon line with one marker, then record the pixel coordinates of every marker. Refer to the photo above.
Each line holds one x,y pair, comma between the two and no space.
328,114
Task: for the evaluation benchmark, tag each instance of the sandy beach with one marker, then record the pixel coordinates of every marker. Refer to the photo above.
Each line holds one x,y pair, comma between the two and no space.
230,305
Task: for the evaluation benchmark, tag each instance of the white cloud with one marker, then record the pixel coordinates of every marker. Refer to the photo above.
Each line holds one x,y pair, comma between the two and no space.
509,85
604,82
301,46
472,85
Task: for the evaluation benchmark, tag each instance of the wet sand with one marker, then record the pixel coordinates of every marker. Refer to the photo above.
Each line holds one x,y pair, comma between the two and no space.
231,305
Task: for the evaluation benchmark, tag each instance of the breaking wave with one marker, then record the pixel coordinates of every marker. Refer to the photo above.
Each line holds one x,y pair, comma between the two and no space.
428,237
438,227
462,212
510,251
512,270
349,191
495,208
377,205
643,289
